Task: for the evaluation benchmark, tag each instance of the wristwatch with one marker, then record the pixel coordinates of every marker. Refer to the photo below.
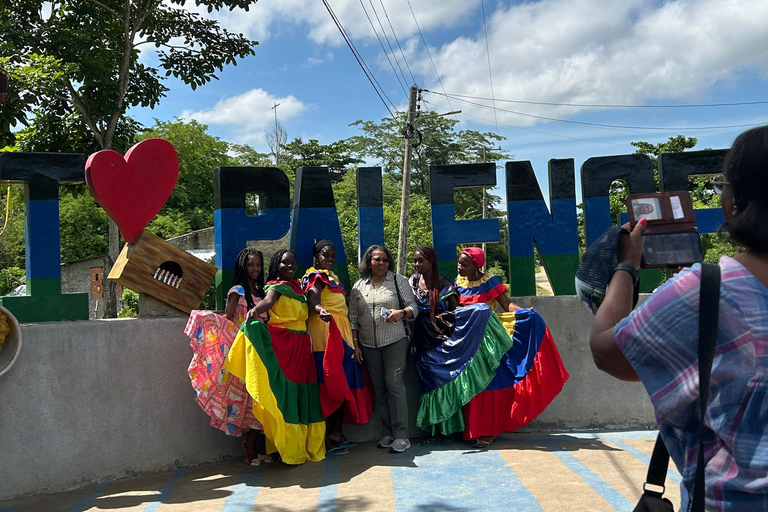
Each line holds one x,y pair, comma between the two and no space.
628,268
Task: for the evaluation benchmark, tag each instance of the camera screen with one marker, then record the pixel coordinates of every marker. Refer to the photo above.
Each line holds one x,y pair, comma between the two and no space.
671,249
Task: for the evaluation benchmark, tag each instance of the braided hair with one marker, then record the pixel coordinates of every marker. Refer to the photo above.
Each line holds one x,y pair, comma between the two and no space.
434,287
274,264
241,274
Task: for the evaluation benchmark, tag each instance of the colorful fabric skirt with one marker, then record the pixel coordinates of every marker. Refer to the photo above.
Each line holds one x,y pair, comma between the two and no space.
219,393
278,369
339,375
452,373
530,376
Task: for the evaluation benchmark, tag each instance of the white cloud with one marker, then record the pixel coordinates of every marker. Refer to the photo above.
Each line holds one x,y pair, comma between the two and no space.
600,51
248,114
267,16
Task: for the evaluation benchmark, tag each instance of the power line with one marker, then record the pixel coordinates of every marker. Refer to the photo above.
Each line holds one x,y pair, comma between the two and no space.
397,40
600,105
490,75
608,126
429,55
360,61
382,47
538,131
383,31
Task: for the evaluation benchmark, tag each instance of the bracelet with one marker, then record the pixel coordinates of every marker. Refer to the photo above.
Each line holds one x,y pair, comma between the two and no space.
628,268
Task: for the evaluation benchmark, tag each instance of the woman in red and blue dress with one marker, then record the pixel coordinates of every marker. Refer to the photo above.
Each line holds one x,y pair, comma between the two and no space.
531,373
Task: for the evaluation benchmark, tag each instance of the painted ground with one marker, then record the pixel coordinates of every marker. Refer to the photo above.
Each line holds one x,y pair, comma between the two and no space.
573,472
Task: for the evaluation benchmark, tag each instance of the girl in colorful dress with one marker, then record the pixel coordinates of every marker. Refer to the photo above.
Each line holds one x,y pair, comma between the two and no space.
343,394
219,393
274,359
531,373
459,349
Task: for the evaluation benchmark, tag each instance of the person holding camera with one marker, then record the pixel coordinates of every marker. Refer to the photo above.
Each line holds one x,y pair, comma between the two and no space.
658,343
378,303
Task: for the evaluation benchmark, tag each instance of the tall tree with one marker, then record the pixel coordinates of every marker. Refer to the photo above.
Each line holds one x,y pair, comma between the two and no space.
85,57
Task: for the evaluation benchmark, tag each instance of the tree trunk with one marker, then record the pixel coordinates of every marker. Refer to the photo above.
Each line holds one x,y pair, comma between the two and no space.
110,300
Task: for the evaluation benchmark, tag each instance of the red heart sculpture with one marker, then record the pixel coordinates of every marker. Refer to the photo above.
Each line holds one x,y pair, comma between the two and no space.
133,189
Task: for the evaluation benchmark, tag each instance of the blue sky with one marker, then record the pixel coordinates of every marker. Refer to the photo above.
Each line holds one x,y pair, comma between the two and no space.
632,52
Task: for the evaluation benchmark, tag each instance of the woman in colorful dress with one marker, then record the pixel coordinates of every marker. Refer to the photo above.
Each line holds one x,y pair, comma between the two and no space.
531,373
459,349
219,393
275,361
343,394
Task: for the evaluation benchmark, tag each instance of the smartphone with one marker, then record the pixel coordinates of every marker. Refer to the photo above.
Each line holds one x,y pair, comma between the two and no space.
672,250
385,313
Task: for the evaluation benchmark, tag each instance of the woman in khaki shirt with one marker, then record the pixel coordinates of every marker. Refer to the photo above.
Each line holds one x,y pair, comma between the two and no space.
378,303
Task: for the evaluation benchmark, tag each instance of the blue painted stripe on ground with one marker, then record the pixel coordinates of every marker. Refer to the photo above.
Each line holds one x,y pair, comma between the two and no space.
7,509
429,479
329,491
84,503
246,490
600,486
166,490
672,475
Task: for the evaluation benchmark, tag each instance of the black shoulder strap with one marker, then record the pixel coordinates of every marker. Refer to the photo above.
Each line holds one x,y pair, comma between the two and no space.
709,305
709,308
400,301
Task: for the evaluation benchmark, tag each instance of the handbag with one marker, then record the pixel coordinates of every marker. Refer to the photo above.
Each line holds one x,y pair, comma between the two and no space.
407,322
652,499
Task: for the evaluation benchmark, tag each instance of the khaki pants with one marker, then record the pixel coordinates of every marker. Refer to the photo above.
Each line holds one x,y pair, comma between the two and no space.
386,366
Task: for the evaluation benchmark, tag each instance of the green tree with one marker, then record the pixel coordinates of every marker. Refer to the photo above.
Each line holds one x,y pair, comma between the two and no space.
337,156
85,54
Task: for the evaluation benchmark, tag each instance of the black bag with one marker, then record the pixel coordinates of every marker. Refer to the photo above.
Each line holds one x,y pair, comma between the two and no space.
652,499
407,322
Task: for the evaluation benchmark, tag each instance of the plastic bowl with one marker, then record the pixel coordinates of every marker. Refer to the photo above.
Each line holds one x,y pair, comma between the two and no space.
11,348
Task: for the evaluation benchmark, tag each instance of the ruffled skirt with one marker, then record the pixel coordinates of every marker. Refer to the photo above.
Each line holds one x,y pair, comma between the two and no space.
219,393
530,376
278,369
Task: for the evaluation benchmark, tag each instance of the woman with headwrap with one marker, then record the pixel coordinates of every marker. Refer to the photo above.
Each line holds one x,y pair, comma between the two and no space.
531,373
459,348
343,394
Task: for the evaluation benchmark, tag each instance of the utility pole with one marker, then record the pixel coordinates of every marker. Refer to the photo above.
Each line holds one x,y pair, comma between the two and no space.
485,159
277,139
405,201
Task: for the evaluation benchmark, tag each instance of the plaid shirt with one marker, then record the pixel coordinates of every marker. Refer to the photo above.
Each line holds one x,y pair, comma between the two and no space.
365,303
660,340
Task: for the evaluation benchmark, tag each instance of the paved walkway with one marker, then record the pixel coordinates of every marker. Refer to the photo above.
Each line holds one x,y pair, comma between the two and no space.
573,472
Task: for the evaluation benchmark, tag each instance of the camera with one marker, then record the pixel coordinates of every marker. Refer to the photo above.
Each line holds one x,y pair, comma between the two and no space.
670,238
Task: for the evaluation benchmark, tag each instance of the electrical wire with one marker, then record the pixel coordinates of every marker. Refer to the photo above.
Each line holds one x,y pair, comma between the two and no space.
397,40
392,50
360,61
490,75
426,47
382,47
600,105
607,126
538,131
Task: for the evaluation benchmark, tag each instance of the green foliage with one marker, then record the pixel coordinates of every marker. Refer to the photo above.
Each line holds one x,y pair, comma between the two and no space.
83,225
130,305
12,246
81,58
337,156
10,278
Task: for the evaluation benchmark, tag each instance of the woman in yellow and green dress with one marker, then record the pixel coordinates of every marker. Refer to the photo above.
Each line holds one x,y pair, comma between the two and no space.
275,361
531,373
343,393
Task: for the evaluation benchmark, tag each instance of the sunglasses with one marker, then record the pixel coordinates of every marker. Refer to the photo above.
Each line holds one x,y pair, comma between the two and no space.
718,184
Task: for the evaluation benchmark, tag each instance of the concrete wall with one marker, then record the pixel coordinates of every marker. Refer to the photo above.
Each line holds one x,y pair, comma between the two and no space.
97,400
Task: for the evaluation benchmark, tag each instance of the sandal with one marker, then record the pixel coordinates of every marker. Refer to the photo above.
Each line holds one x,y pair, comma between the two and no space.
262,460
250,454
348,444
428,441
485,441
337,450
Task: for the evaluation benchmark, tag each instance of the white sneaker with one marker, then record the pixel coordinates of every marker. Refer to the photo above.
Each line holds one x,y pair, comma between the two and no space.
385,442
399,445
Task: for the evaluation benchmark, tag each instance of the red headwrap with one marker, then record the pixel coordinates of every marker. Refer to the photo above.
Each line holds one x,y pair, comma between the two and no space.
476,254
